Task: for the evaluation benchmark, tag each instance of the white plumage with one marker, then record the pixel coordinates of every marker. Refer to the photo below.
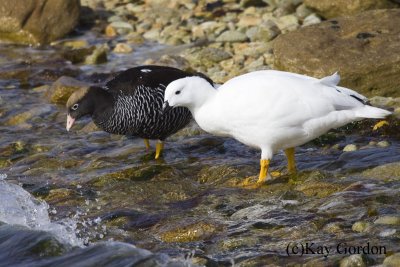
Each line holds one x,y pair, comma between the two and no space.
271,110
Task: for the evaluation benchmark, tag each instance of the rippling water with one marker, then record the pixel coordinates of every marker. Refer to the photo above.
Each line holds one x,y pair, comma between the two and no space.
87,199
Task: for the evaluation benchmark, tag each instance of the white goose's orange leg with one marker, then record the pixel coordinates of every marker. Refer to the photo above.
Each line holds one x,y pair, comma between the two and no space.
264,165
291,160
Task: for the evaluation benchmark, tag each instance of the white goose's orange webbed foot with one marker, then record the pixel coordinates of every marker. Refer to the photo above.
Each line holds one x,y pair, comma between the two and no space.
247,183
291,160
380,124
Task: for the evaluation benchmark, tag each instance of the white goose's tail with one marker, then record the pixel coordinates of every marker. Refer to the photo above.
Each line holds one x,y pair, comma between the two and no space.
371,112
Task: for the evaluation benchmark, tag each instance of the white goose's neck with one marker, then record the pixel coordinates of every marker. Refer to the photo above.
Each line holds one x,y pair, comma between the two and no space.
202,95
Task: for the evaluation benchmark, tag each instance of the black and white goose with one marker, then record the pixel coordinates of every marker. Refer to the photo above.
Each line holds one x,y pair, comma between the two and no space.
131,104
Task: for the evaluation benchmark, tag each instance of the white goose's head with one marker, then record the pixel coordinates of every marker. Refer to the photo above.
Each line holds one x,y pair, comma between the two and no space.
190,92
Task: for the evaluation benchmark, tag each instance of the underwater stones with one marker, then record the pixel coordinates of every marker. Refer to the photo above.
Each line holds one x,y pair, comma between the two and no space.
388,220
355,260
122,48
37,21
318,189
389,172
350,147
392,261
62,89
364,49
361,226
189,231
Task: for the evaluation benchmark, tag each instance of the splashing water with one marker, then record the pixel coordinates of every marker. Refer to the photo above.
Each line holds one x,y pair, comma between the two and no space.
21,208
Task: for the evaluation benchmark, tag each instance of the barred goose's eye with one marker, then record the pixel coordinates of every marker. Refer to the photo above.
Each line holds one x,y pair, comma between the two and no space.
177,92
75,107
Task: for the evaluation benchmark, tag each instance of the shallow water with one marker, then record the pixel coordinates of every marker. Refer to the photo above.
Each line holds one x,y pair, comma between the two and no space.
105,193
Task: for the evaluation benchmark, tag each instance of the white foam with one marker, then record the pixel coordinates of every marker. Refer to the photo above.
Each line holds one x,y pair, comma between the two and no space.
20,207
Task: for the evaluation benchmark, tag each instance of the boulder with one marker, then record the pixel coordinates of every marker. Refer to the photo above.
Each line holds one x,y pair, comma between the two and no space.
364,49
62,89
37,21
332,9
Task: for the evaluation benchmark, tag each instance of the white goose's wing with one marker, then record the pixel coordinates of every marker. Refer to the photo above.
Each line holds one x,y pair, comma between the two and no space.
282,98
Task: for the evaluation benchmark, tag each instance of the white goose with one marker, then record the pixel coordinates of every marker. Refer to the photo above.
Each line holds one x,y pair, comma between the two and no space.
270,110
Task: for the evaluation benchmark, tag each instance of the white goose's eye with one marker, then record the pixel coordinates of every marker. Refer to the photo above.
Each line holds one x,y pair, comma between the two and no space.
75,107
177,92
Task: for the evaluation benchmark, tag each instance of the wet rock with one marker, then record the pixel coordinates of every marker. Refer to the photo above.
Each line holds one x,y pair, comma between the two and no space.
354,261
77,55
23,117
383,144
361,226
354,46
98,56
141,173
37,21
61,90
122,48
232,37
392,261
217,174
189,232
332,9
118,27
58,194
388,172
350,147
388,220
318,189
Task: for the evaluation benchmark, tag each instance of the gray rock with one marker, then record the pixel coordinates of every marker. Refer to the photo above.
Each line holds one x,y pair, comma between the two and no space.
264,33
332,9
365,49
37,21
232,36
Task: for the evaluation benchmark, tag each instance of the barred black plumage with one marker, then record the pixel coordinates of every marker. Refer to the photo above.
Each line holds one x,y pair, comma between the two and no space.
137,99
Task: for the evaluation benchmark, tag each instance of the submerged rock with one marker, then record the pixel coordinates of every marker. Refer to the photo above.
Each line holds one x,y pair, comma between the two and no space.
392,261
37,21
364,49
189,232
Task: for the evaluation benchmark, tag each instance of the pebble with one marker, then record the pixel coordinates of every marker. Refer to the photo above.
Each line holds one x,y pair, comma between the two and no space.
311,20
122,48
355,260
361,226
350,147
383,144
232,37
388,220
